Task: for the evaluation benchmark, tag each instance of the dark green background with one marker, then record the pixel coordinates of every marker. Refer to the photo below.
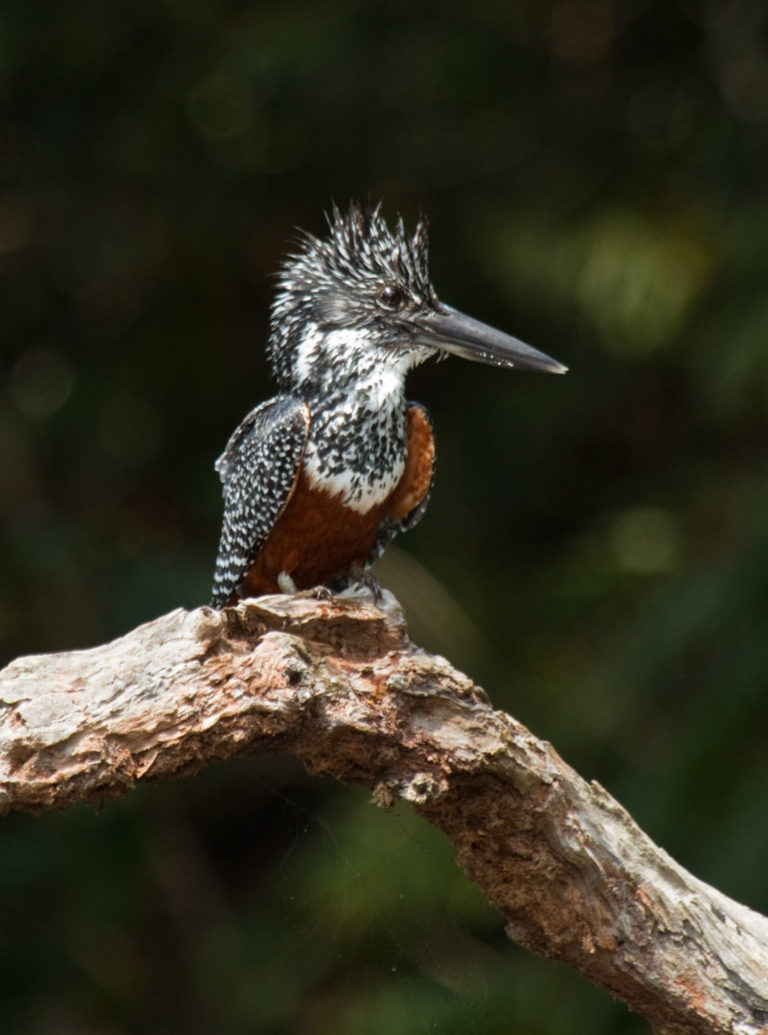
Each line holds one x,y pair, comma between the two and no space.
596,549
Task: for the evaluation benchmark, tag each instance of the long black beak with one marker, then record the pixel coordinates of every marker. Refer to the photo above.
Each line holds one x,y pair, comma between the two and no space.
449,330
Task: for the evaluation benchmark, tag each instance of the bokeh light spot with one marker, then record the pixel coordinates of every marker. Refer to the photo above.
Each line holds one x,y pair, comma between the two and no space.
41,382
638,281
646,540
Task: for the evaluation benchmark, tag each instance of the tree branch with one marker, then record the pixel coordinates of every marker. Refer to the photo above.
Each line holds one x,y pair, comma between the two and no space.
339,684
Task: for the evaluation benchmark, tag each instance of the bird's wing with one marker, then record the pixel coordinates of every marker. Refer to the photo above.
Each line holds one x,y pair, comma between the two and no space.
259,470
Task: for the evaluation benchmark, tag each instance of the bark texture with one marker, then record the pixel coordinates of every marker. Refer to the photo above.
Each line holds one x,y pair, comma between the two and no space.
338,683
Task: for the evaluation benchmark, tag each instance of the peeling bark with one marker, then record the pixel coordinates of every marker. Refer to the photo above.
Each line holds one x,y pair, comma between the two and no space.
339,684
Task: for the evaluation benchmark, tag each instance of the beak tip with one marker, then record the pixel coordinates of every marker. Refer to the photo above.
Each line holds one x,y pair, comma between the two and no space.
542,365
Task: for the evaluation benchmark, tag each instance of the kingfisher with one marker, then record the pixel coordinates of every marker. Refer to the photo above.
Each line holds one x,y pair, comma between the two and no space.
319,479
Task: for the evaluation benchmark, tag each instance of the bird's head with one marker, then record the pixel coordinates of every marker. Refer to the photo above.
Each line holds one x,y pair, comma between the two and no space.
362,299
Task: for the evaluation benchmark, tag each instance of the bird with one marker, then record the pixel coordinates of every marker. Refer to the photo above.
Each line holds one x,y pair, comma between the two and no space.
320,478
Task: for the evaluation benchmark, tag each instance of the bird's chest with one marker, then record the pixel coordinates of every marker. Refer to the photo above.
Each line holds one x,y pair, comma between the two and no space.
318,537
357,453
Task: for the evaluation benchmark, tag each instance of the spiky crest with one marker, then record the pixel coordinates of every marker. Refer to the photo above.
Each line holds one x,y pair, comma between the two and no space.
333,282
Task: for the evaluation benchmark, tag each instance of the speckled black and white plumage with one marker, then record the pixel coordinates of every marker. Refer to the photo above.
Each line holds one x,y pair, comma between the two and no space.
332,340
330,285
354,313
258,470
337,350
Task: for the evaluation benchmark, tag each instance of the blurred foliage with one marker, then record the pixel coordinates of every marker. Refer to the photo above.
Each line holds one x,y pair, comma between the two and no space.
596,550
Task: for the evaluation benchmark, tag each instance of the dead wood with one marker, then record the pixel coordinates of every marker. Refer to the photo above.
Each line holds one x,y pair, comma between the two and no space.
338,684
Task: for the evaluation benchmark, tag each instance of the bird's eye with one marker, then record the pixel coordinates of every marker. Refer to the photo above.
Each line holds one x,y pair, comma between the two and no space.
391,296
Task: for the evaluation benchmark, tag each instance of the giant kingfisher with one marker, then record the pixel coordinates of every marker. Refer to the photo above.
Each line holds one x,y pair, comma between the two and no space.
319,479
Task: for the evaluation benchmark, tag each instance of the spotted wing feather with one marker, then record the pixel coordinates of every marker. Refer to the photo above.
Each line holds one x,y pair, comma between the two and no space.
259,469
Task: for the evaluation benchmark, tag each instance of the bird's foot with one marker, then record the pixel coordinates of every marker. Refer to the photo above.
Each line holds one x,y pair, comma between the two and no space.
362,579
372,584
321,593
286,585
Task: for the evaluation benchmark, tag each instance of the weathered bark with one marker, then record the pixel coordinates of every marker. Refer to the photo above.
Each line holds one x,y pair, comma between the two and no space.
339,684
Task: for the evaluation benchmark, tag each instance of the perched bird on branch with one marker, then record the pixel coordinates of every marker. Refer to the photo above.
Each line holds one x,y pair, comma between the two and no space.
319,479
